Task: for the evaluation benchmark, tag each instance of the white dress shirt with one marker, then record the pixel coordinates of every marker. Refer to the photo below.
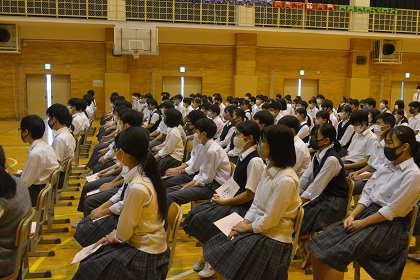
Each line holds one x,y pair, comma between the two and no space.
347,134
303,157
222,110
278,117
312,113
154,116
248,114
310,186
80,123
89,111
303,131
174,144
361,145
41,161
235,151
416,96
180,107
254,169
255,109
193,164
215,165
162,128
228,136
414,122
219,124
396,188
334,120
377,157
275,204
63,144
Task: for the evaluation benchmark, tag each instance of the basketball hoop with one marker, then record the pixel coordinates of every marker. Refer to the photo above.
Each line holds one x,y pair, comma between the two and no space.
136,53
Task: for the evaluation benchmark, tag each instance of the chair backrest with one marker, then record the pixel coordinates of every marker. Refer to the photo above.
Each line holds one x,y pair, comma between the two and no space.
232,168
296,229
21,242
350,188
174,221
67,169
77,150
83,135
188,150
411,219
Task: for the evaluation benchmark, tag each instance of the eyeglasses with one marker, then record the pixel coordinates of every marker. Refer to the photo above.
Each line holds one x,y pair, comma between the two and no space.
19,129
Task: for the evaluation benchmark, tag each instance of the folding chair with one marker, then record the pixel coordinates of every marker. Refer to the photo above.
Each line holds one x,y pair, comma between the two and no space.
296,229
174,221
350,188
21,243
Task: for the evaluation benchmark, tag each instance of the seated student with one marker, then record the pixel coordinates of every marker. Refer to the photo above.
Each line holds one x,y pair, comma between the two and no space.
138,244
218,100
414,121
214,111
179,105
89,110
15,203
303,157
93,104
354,104
361,144
262,245
322,117
108,115
238,116
228,129
372,114
135,96
323,186
187,105
246,106
313,109
170,153
304,124
383,106
327,105
375,234
196,103
254,107
275,109
345,130
108,131
263,119
400,119
64,144
159,135
248,171
41,160
399,104
154,117
266,107
191,119
214,167
80,121
384,122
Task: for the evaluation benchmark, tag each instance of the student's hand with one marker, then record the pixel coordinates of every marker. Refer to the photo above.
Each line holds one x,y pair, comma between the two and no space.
155,149
103,241
189,185
353,174
157,156
171,172
348,221
232,234
101,160
98,213
240,227
356,225
106,186
217,200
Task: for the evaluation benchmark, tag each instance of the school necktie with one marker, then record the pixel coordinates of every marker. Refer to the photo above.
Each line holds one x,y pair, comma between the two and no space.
123,191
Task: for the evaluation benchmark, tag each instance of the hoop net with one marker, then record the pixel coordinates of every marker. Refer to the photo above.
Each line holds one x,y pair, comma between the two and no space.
136,53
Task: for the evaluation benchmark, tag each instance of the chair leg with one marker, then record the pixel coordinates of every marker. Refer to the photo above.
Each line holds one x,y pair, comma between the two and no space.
72,190
51,240
38,274
71,197
64,204
50,253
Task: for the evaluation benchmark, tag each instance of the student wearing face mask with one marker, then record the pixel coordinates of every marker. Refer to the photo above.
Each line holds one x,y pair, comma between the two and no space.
345,130
400,119
323,187
80,121
304,124
384,122
215,116
41,160
399,104
238,116
372,114
328,106
414,121
375,234
263,119
158,136
228,129
275,109
254,106
247,174
322,117
313,109
383,106
154,117
361,144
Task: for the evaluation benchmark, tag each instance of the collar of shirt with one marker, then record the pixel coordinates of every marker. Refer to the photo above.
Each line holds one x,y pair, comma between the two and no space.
243,155
217,117
345,121
130,174
304,122
272,171
77,114
380,143
403,165
35,143
63,129
211,141
320,155
366,131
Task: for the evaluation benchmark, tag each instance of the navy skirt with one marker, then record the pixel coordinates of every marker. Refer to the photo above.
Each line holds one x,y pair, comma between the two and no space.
199,221
322,212
122,261
88,232
381,249
248,256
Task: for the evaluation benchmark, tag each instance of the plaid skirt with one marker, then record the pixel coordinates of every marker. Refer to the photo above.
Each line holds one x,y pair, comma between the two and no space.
122,261
321,212
381,249
88,232
199,221
417,225
248,256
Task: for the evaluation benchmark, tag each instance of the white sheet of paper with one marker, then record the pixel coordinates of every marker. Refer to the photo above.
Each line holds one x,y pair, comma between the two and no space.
225,224
92,177
228,189
93,192
85,252
19,172
95,220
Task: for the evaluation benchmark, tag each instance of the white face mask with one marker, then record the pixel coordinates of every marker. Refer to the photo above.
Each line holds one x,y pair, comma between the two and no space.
70,109
197,140
382,106
378,130
317,122
396,107
358,129
209,114
239,142
258,102
341,115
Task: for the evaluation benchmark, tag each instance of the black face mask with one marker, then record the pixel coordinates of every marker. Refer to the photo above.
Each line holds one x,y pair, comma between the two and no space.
51,125
390,153
411,111
313,143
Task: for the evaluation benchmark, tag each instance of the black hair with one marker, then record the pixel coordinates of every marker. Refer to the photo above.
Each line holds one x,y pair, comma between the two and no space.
328,130
78,103
370,101
387,118
135,142
153,102
400,104
167,105
178,96
384,102
290,122
253,99
197,101
218,97
208,126
248,94
123,103
215,109
88,98
264,117
119,110
246,103
278,95
283,103
187,100
35,126
91,92
132,117
406,135
304,104
7,183
374,112
354,102
347,108
276,106
282,145
230,109
61,113
414,104
249,128
196,115
288,97
265,106
313,101
305,115
327,104
205,106
323,115
320,96
358,117
136,94
173,118
239,113
148,96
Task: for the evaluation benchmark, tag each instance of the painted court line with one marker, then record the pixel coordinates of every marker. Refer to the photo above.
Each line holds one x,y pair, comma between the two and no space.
180,275
41,259
14,161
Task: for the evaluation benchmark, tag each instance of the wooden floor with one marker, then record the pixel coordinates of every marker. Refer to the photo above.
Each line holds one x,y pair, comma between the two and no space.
186,253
